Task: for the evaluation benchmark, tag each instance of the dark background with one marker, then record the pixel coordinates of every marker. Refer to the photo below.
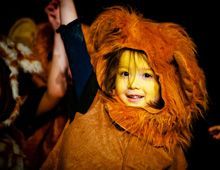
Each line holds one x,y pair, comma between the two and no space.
200,19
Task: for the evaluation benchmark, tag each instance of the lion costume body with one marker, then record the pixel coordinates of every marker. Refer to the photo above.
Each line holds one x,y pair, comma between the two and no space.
114,136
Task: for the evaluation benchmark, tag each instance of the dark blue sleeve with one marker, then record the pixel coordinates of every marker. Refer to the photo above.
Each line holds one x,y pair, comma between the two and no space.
78,57
84,78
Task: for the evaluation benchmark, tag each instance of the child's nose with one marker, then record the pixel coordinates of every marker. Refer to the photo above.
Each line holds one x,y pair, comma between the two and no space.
134,82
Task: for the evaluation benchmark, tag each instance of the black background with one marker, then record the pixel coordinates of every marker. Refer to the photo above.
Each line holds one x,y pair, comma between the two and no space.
200,19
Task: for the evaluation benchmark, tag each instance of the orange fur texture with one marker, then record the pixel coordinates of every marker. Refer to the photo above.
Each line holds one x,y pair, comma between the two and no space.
172,56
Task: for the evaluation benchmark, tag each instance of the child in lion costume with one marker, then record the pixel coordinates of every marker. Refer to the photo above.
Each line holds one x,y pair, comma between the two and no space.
151,89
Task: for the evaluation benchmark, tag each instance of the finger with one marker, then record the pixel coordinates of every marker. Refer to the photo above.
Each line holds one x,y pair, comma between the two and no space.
216,127
49,8
214,132
216,136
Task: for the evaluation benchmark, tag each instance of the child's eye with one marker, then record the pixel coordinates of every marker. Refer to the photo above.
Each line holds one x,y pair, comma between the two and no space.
146,75
124,74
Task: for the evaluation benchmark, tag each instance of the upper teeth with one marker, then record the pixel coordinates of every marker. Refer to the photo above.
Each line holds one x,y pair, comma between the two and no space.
134,96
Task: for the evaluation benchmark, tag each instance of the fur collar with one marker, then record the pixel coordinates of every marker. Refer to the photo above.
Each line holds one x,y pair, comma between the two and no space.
172,56
157,127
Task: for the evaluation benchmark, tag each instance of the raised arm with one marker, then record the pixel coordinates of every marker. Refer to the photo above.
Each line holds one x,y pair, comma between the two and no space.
57,83
83,76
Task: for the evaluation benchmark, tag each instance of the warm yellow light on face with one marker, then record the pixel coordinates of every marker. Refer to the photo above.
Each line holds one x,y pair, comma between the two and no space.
136,84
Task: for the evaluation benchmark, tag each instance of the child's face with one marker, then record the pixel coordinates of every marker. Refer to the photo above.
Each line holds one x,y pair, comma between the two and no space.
136,84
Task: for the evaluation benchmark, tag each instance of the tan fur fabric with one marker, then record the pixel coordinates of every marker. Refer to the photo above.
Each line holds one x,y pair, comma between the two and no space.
171,54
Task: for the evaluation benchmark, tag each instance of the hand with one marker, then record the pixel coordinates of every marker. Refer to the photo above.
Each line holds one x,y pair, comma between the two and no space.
215,131
53,13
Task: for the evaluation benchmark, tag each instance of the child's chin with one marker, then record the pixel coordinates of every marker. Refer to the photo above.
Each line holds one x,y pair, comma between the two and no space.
139,105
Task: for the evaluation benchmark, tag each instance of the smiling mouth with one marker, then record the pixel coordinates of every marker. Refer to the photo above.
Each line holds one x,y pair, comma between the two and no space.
134,98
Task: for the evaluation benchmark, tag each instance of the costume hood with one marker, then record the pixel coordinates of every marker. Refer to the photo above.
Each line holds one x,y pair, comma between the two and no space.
171,54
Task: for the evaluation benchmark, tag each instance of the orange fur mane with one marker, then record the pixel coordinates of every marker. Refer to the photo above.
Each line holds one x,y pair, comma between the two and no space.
172,56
